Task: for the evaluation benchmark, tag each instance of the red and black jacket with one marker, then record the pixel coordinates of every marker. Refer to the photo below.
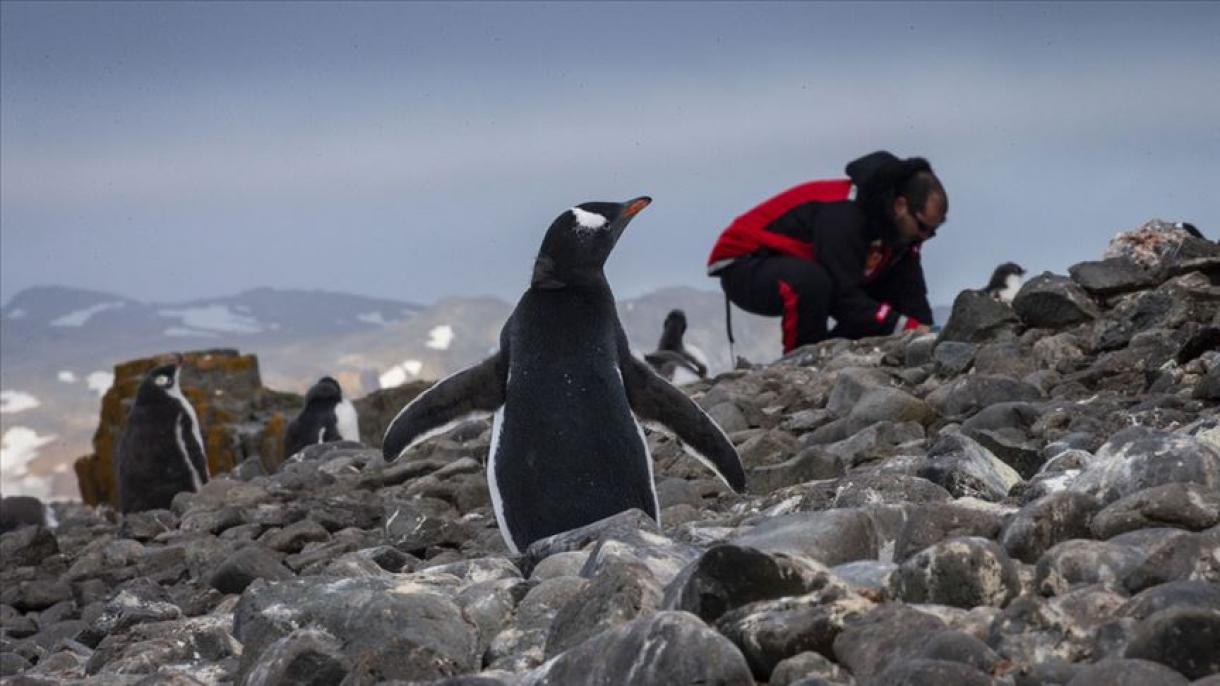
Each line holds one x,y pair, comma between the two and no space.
879,283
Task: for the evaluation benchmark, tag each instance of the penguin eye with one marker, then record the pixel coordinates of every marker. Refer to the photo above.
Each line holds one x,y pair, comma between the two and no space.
162,380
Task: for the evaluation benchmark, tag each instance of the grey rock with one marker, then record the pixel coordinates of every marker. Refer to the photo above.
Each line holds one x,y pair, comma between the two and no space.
876,405
29,596
978,318
964,468
490,605
925,672
1048,521
927,524
575,539
868,488
412,529
1112,276
887,635
1185,505
953,357
1128,673
618,594
27,546
850,386
871,578
560,564
1076,563
876,441
1174,555
127,609
1012,448
966,395
663,648
810,464
12,664
918,350
402,629
831,537
729,417
957,646
1186,639
306,657
1032,630
1139,458
960,572
771,631
1006,358
805,665
1050,301
659,557
240,569
730,576
1196,594
520,645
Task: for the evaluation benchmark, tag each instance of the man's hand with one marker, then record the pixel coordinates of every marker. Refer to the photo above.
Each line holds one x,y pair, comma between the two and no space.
922,329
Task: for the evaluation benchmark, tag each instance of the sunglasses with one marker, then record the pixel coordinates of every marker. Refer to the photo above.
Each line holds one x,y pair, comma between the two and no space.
925,230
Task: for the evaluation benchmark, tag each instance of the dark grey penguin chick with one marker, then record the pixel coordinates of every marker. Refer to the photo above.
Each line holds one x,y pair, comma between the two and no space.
1005,281
327,416
161,451
671,354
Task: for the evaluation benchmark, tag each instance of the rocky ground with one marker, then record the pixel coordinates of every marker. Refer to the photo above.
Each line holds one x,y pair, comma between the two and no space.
1033,497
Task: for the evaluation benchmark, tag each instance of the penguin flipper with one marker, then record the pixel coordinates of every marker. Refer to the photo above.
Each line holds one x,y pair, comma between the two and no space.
474,390
654,399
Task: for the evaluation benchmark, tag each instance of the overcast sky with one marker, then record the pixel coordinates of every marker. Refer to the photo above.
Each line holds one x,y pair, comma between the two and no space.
169,150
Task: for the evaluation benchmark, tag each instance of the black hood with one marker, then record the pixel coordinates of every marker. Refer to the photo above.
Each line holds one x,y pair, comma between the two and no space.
877,177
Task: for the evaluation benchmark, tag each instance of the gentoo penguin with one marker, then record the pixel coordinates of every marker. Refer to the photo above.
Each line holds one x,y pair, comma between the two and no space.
567,448
327,416
161,451
671,358
1005,282
17,511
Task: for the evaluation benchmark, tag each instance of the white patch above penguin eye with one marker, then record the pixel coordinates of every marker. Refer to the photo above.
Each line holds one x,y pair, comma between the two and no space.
587,220
163,380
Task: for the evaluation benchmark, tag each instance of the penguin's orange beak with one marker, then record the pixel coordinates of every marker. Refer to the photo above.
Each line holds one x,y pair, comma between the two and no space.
635,206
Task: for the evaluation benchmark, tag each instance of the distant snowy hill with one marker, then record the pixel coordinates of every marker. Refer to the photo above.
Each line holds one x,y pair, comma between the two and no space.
58,347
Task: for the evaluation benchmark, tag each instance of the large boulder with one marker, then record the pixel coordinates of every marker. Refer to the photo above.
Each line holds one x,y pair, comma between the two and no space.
1050,301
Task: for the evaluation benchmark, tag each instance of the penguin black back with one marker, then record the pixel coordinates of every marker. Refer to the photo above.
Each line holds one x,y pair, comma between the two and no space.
161,451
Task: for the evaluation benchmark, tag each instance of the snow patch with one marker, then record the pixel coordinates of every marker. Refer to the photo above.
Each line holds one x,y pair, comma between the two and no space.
394,377
99,382
18,447
399,373
80,317
12,402
372,318
440,337
66,376
214,318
